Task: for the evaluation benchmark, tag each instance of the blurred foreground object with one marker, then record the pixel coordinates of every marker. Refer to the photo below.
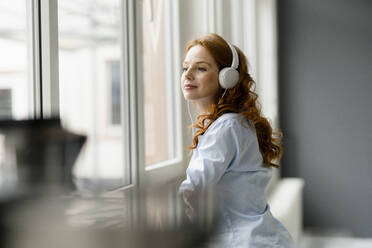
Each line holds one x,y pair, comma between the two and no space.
36,160
36,154
132,218
40,207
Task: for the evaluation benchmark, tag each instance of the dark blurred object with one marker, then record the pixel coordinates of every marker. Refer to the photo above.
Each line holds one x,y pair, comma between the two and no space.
36,160
36,154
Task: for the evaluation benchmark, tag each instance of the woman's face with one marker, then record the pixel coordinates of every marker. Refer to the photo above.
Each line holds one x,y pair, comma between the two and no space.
199,79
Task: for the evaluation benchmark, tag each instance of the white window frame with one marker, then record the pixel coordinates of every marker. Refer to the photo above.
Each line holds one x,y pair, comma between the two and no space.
128,92
169,170
34,69
49,58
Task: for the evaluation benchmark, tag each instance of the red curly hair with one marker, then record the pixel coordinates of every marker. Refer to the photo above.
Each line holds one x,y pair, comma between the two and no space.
240,99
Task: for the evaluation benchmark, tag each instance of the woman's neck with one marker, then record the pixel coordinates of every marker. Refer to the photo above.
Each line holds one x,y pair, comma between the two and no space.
203,109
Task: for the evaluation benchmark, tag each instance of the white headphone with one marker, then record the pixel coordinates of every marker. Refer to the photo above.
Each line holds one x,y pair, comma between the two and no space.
229,76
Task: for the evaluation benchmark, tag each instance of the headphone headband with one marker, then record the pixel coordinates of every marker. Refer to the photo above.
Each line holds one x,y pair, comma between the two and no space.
235,57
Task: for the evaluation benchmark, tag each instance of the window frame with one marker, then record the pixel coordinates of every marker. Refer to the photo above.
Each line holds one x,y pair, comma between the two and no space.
169,170
128,93
33,10
49,76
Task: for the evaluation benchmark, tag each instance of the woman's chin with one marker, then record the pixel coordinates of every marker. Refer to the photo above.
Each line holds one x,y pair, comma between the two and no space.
189,97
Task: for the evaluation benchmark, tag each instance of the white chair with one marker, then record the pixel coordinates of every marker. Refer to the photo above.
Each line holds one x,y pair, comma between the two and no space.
285,199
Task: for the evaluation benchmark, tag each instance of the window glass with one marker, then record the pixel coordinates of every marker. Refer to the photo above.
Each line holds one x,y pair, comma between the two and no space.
90,88
15,52
158,95
5,103
114,78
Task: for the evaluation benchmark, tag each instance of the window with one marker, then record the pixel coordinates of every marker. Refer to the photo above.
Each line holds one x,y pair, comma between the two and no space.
5,103
155,83
96,69
114,82
160,70
90,61
15,65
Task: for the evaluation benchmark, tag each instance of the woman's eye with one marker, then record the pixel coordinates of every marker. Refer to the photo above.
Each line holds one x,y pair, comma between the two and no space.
184,69
202,69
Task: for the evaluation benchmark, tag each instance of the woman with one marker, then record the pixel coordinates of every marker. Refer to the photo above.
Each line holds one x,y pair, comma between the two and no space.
234,147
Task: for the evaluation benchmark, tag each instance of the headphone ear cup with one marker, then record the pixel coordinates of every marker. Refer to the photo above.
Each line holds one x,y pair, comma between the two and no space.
228,77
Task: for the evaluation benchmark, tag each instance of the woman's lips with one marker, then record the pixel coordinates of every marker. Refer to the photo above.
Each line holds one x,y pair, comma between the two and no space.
189,87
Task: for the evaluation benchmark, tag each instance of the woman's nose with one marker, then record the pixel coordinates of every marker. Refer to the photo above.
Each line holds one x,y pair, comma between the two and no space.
188,74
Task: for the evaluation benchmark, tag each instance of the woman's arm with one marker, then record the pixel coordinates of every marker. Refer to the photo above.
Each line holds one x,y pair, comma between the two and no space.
216,151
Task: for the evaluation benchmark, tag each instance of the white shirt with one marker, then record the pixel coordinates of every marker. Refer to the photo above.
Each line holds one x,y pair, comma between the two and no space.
228,158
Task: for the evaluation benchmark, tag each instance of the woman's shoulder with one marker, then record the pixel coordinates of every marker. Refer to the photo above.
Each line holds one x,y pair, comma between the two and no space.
229,116
235,119
229,121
